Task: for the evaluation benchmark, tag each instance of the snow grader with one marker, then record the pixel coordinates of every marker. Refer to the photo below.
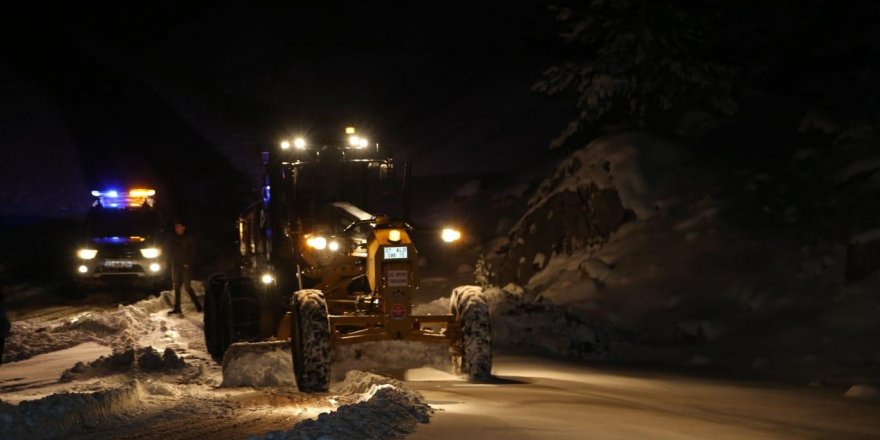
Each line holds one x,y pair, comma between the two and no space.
327,258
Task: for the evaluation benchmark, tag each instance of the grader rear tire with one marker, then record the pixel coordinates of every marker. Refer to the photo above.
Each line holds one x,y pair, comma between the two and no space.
238,319
472,352
213,290
310,341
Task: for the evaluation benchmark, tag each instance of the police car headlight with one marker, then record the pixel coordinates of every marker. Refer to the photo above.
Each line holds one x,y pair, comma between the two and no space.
86,254
150,252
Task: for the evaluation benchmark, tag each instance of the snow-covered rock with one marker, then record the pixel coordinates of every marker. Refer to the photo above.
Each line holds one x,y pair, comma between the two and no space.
863,392
591,194
819,121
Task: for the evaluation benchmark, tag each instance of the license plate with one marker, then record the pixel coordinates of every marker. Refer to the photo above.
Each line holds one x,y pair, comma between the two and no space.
395,253
118,264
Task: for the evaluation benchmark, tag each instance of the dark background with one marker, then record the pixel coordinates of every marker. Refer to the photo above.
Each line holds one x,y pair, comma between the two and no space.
183,97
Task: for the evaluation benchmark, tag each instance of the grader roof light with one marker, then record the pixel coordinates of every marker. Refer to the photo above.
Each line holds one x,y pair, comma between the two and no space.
450,235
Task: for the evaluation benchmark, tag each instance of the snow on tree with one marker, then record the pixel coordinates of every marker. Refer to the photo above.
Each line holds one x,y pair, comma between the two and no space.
484,273
633,58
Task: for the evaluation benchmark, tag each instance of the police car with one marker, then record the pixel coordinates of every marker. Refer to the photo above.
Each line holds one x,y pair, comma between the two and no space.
122,241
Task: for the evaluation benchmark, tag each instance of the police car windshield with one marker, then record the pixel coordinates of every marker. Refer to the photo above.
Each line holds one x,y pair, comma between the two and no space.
122,222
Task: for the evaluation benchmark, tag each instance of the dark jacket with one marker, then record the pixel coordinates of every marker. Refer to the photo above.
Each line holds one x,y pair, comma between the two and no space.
183,250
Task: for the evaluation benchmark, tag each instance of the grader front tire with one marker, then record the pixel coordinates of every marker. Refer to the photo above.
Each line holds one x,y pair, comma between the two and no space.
310,340
472,351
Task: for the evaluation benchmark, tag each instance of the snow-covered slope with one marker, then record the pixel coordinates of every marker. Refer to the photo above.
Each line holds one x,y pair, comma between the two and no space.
630,252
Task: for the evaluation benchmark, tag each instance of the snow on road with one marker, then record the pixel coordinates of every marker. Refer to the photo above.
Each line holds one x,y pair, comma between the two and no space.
540,398
135,372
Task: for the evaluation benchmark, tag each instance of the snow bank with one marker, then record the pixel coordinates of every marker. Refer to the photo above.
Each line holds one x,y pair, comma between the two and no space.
524,319
729,264
258,365
52,416
145,359
119,329
378,408
389,356
439,306
270,364
863,392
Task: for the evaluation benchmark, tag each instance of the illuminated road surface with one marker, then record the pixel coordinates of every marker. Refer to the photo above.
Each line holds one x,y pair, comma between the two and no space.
536,398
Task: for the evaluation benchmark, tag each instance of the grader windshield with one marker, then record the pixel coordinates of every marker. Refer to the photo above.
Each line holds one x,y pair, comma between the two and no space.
338,186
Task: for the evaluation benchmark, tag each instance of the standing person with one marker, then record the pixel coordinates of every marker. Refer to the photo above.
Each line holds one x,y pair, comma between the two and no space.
5,325
183,252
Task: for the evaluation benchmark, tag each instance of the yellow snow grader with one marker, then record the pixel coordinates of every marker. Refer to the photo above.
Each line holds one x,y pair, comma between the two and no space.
327,258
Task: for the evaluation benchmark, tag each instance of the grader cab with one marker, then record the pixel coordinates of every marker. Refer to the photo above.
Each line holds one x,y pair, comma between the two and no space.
328,258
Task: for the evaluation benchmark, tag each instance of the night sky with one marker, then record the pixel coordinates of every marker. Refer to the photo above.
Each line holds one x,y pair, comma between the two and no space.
130,80
183,97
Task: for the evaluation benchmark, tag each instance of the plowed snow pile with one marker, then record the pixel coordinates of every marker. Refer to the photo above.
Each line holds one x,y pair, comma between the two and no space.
159,377
372,407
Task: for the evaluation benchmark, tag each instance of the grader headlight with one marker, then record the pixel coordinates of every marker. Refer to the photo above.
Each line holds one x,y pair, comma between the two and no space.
317,242
450,235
